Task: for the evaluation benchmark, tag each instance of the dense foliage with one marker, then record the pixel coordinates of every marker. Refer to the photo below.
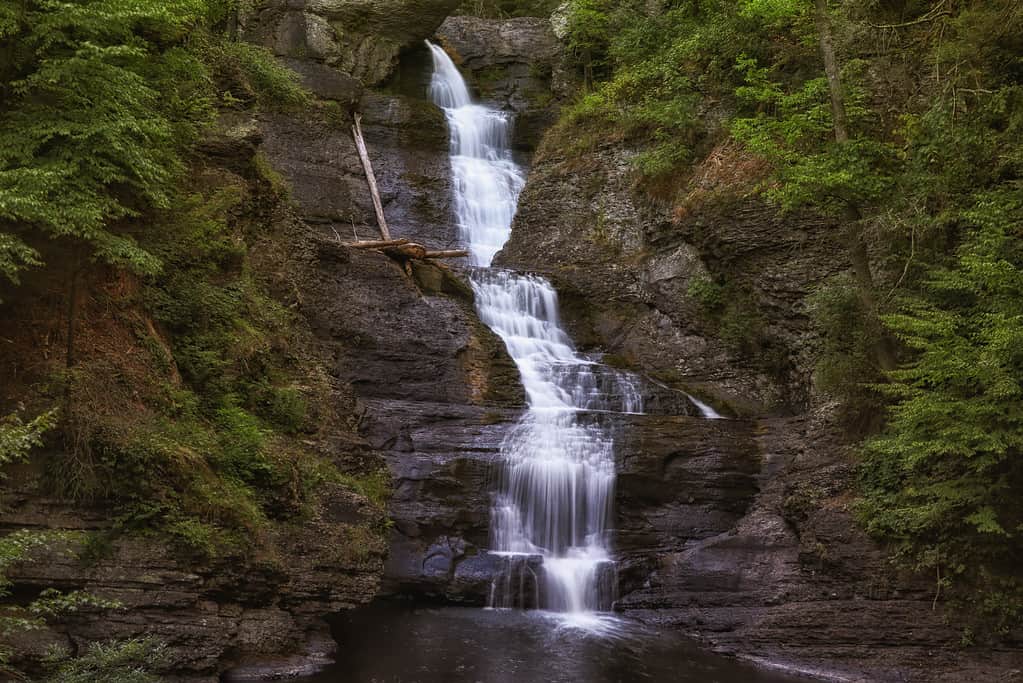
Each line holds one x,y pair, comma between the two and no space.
130,661
922,339
96,100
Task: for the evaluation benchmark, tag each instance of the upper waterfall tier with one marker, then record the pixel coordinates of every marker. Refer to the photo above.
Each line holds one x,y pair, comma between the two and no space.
487,181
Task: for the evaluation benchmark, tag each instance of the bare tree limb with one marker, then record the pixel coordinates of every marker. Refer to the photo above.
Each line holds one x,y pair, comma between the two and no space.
371,180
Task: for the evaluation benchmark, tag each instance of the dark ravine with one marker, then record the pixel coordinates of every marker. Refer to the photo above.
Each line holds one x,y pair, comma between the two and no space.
738,532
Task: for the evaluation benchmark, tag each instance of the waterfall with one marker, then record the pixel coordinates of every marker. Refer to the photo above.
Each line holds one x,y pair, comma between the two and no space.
555,492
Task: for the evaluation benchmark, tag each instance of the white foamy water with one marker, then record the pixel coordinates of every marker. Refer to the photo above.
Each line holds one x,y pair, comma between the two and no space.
705,409
556,490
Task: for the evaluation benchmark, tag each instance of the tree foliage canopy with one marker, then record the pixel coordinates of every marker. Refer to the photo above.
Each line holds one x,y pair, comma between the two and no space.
93,112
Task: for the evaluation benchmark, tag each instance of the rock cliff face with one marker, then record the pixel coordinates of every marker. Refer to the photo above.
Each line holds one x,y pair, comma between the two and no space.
360,38
436,388
738,531
211,615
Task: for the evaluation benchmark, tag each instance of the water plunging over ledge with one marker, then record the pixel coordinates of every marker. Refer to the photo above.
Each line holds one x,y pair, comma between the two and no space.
553,506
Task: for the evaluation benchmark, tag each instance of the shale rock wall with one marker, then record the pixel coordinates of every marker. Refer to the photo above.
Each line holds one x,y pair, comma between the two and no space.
738,531
436,388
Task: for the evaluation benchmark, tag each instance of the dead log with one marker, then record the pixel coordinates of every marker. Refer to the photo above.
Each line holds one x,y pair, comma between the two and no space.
406,252
448,253
404,249
371,180
376,244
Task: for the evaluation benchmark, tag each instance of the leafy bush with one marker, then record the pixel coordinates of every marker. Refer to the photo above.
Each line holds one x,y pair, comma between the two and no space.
17,437
942,481
128,661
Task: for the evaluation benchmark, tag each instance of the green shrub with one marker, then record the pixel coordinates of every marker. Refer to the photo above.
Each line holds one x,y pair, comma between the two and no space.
242,442
376,485
128,661
942,481
194,537
707,293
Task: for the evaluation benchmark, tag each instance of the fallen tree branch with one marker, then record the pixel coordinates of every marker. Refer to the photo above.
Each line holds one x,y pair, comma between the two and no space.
376,244
448,253
371,180
406,251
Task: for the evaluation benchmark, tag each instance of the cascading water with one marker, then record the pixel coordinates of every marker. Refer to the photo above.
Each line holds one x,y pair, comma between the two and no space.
556,489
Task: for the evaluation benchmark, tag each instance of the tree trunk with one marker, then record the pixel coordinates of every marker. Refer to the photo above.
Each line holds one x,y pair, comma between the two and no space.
884,349
71,314
831,70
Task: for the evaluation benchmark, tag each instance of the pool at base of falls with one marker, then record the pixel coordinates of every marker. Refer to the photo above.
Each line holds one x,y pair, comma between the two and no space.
399,642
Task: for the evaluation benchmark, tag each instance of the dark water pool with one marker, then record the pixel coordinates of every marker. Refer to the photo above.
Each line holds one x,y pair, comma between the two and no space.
394,643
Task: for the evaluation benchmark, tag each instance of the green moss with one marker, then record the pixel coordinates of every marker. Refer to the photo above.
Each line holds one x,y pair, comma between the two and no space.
376,485
491,417
251,73
732,313
360,544
269,174
194,537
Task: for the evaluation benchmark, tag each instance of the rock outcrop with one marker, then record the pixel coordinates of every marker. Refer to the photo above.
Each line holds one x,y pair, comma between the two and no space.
359,38
630,266
210,614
